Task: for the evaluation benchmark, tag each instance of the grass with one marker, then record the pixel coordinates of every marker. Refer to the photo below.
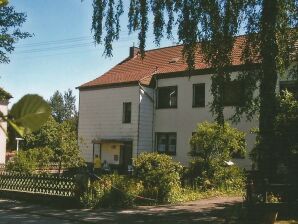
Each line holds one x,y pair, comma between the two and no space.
287,222
189,194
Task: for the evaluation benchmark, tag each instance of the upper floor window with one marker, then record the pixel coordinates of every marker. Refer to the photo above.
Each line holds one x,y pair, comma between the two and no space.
233,93
198,99
290,86
166,142
126,112
167,97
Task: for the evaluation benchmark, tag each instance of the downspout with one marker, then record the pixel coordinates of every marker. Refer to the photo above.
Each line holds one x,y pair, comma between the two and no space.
139,108
153,112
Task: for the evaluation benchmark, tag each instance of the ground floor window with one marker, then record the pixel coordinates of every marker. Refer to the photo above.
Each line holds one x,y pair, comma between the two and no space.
166,142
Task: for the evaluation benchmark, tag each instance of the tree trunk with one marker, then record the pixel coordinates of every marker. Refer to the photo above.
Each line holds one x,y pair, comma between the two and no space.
269,51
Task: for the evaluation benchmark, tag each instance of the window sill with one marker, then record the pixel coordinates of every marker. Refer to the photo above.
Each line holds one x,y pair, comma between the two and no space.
158,108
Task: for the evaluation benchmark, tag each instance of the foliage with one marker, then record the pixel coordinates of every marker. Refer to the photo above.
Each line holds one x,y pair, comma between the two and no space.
285,140
267,49
63,106
30,160
211,141
212,146
160,176
112,191
61,139
28,114
4,95
10,32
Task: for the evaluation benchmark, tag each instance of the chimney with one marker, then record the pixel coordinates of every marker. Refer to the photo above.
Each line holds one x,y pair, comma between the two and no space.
133,51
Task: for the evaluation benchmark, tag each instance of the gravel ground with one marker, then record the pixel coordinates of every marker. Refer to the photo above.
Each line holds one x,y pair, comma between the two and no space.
214,210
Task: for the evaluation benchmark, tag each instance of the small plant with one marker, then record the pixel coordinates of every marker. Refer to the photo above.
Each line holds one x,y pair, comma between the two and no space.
272,198
161,176
112,191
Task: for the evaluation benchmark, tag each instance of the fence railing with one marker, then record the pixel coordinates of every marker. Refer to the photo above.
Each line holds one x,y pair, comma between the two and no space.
38,184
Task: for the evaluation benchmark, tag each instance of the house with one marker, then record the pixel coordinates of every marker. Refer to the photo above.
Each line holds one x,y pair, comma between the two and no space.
152,104
4,98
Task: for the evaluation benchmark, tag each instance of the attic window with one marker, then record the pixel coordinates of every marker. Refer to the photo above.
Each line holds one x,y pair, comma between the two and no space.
174,60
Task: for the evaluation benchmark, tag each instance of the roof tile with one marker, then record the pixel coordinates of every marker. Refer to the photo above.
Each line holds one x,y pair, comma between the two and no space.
157,61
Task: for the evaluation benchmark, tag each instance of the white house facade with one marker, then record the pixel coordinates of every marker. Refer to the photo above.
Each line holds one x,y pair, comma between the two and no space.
4,98
150,105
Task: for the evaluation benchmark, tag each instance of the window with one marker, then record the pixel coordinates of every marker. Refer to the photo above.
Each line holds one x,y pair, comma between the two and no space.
167,97
233,93
126,113
198,99
290,86
166,143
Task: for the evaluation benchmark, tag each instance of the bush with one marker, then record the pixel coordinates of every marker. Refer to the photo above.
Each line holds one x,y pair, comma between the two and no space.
30,160
112,191
161,176
212,146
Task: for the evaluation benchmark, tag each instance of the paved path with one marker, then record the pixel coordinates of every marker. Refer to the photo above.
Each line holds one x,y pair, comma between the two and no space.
214,210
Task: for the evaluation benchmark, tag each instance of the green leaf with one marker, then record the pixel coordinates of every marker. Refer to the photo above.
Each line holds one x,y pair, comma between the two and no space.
30,112
20,130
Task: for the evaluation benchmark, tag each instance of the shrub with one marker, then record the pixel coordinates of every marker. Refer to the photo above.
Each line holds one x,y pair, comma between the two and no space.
30,160
212,146
112,191
160,176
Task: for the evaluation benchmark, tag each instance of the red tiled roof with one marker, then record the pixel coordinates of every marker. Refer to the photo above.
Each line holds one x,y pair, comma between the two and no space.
158,61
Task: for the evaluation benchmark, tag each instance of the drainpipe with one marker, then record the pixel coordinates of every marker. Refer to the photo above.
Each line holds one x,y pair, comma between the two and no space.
153,112
139,110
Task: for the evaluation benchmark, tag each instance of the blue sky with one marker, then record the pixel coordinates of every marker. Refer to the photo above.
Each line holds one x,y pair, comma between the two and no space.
61,54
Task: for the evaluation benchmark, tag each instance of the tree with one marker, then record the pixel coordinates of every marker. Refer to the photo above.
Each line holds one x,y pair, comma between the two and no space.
60,138
10,33
57,105
271,31
212,147
63,106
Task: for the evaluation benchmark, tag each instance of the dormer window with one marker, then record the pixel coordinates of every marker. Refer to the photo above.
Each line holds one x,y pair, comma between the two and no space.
174,60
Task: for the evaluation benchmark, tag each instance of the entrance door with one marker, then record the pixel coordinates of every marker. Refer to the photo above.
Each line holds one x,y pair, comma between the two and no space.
126,155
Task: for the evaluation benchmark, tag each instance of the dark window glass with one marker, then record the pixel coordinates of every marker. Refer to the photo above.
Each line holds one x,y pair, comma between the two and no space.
233,93
290,87
198,99
167,97
166,143
126,113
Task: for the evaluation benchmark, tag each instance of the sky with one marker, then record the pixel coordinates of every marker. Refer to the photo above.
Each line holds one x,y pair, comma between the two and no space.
61,55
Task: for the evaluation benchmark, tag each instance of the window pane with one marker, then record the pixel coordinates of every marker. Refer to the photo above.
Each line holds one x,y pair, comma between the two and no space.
233,93
167,97
199,95
161,142
126,112
166,143
172,144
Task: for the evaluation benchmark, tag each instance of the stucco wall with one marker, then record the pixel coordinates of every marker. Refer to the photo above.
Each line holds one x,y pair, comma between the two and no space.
3,109
108,151
101,116
184,119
